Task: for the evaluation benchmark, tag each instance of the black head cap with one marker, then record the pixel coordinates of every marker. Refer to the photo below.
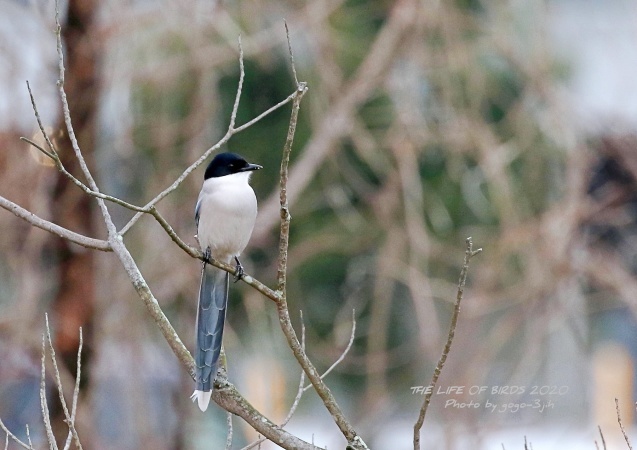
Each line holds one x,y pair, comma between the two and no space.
226,164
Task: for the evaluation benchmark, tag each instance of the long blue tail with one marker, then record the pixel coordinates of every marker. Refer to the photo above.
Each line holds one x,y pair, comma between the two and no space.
211,317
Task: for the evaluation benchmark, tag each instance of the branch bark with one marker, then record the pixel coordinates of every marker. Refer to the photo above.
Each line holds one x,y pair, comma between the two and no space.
469,253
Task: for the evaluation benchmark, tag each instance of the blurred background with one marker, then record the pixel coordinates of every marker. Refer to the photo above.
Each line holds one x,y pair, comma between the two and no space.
514,122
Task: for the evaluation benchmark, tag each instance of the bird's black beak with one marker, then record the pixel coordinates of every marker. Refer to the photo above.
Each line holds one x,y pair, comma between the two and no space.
250,167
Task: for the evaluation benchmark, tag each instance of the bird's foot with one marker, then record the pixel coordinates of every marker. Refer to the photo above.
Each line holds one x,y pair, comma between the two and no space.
239,272
207,255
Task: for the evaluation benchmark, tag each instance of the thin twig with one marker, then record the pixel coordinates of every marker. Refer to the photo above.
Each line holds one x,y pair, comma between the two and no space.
602,436
65,104
58,162
297,398
44,407
300,390
469,253
287,35
621,425
76,392
38,222
235,106
13,437
38,147
51,153
343,354
58,382
29,436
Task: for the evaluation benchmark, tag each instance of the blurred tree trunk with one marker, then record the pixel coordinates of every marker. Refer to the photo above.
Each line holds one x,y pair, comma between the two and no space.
71,208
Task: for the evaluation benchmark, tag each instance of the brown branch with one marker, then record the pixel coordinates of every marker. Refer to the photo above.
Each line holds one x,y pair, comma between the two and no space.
601,435
621,425
297,398
226,396
44,407
38,222
282,309
76,393
56,373
469,253
345,352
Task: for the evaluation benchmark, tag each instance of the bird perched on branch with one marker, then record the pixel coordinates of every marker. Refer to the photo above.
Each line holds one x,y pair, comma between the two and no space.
225,214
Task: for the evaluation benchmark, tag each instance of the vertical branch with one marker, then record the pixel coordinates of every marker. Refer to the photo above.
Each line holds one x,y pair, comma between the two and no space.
354,441
469,253
284,235
44,407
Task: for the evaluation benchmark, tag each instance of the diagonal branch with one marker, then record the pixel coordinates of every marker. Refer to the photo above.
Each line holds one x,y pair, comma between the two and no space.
469,253
36,221
13,437
282,309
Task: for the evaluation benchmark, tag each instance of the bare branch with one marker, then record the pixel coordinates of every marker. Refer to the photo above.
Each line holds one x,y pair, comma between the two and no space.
602,436
56,372
39,147
235,106
44,407
299,392
284,316
29,436
13,437
469,253
345,352
621,425
287,35
51,153
297,398
65,104
284,234
226,396
76,393
80,239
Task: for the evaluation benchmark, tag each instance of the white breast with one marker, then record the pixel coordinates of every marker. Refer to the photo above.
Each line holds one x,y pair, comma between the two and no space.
227,212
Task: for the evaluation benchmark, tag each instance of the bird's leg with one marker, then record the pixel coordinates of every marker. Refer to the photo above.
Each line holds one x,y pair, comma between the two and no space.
207,255
238,274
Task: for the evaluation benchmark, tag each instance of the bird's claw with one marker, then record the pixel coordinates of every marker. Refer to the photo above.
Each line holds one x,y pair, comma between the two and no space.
207,255
239,272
